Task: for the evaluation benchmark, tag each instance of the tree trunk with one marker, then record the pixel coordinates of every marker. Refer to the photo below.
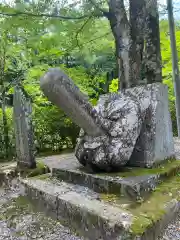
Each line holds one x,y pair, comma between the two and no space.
137,42
5,128
176,76
137,16
121,30
153,70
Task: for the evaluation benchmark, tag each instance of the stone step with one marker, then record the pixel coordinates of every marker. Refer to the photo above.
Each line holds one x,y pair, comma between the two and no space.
79,208
89,215
134,183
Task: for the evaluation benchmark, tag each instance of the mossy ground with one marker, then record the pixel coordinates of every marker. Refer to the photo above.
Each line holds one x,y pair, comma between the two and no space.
45,176
147,212
164,168
40,169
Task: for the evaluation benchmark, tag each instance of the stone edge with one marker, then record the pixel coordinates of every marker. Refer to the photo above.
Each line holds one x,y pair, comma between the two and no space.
111,185
78,218
171,211
46,201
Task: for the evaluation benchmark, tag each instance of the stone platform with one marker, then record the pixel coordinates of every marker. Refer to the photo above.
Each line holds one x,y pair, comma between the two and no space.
80,209
134,183
131,204
104,216
107,207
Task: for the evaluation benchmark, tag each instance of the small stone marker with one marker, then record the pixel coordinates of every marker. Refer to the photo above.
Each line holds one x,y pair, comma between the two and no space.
23,130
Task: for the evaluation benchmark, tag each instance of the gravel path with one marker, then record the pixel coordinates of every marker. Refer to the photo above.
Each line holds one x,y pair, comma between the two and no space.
20,221
172,232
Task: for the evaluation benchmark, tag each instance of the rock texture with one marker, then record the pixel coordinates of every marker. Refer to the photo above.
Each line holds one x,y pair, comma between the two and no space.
155,142
139,130
129,127
79,209
23,130
97,218
172,231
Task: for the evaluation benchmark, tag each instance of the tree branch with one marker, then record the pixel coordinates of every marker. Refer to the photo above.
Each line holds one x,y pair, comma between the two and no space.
7,87
90,41
81,28
46,15
94,39
104,11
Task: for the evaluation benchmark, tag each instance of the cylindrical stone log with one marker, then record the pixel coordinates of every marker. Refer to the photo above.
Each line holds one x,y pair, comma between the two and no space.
61,91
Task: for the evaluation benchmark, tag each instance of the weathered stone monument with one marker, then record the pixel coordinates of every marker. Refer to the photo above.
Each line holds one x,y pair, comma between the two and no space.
23,130
130,127
126,133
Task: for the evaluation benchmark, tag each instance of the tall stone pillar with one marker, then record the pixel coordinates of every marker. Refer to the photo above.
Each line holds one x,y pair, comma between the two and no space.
23,130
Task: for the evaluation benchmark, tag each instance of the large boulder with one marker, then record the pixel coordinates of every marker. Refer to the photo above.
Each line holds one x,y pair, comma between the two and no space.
139,133
129,127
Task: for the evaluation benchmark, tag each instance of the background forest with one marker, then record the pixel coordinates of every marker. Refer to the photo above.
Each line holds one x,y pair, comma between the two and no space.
34,38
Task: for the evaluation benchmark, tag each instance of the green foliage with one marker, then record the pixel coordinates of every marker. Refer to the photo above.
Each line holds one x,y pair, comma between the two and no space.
83,48
113,86
53,130
11,134
167,67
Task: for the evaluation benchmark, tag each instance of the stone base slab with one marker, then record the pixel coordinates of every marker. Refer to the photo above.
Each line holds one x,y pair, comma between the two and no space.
91,217
133,187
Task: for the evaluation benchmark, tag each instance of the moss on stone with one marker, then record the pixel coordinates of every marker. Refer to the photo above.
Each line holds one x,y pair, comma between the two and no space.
151,210
109,197
40,169
140,224
21,201
167,168
45,176
154,208
18,234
